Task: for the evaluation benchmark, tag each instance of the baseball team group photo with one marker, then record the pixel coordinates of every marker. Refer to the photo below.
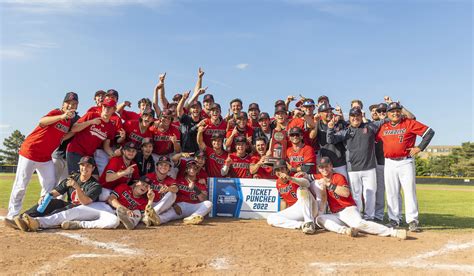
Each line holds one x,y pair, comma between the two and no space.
156,158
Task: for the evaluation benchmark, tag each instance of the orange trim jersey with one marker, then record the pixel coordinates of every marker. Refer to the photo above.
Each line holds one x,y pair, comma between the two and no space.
337,203
115,165
265,171
397,139
248,132
186,194
299,122
41,143
240,167
211,129
134,134
215,162
129,115
124,194
162,143
287,191
156,184
302,156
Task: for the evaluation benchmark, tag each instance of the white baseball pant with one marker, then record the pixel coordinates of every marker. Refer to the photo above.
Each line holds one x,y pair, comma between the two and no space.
350,217
24,171
187,209
297,214
363,187
165,203
401,173
380,193
60,167
104,194
95,215
101,159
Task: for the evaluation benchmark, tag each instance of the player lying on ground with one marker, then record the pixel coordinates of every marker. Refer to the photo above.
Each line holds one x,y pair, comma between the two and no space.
125,205
345,217
301,207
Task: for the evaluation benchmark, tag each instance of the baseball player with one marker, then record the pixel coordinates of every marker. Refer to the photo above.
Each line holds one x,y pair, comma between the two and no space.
137,130
191,199
35,152
165,136
212,125
99,97
301,157
253,112
165,190
306,123
207,103
258,164
237,164
300,207
144,104
235,107
241,129
345,217
398,137
92,131
215,155
144,159
120,169
81,189
264,129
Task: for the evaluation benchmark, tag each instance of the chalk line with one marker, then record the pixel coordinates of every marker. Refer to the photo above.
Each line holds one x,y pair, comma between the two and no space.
116,247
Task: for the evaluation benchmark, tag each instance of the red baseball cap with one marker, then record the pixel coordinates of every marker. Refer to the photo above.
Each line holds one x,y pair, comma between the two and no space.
109,102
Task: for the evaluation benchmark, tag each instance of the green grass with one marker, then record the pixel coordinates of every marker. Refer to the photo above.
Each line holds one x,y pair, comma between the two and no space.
439,209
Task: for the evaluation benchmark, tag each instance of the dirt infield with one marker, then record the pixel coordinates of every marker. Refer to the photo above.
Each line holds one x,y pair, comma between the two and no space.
227,246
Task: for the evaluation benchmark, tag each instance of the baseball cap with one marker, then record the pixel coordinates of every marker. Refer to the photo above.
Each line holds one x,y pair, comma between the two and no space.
324,161
308,102
146,141
324,107
279,164
393,106
166,113
217,135
99,92
263,116
355,111
373,106
295,130
130,145
254,106
242,115
177,97
215,106
164,159
195,103
280,102
323,97
145,179
240,139
208,97
280,108
71,96
191,162
382,107
112,92
109,102
87,160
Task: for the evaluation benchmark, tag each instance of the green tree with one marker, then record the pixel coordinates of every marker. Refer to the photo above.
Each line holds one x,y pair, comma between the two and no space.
12,146
463,160
422,166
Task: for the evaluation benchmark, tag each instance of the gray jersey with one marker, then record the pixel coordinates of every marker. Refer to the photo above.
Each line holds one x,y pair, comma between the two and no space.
360,144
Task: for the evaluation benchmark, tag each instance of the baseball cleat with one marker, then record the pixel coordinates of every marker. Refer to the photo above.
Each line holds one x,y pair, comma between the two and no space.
414,227
393,224
20,223
70,225
150,217
32,223
351,232
122,214
400,234
11,223
308,228
193,219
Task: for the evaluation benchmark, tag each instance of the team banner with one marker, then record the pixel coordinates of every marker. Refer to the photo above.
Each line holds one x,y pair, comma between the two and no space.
243,198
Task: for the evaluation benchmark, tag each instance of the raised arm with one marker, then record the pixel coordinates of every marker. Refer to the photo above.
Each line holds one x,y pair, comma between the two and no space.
49,120
197,87
159,92
200,138
180,107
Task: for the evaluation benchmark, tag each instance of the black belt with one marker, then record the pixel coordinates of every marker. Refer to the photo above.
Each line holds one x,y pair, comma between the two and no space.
400,158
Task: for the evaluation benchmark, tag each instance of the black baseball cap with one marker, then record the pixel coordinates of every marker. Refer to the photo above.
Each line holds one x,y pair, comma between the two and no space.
324,161
242,114
195,103
323,97
87,160
208,97
263,116
355,111
240,139
145,179
324,107
295,130
382,107
191,162
146,141
177,97
279,164
280,102
254,106
71,96
308,102
215,106
164,159
112,92
393,106
130,145
217,135
280,108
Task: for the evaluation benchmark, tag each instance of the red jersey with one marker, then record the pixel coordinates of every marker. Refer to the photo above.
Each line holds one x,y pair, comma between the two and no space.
124,194
247,132
186,194
204,115
162,143
115,165
115,119
336,202
299,122
302,156
265,171
157,184
134,134
253,125
215,162
399,138
129,115
40,144
211,129
202,174
91,138
240,167
287,191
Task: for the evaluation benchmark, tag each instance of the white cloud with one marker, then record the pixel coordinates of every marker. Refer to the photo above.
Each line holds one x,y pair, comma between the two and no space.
12,54
242,66
2,126
40,45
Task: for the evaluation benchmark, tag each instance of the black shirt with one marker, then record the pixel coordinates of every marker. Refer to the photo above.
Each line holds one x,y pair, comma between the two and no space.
188,129
91,188
145,165
335,152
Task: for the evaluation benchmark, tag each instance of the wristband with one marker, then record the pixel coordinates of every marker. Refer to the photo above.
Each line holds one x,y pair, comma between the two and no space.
196,190
332,187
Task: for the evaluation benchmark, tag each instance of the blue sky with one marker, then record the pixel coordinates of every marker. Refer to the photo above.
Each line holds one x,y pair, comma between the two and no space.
418,52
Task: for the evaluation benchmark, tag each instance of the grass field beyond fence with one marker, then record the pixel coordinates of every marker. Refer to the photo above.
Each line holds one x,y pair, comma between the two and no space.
441,206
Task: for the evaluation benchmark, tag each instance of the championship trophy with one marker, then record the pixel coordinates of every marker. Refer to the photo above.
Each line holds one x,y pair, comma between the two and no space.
278,147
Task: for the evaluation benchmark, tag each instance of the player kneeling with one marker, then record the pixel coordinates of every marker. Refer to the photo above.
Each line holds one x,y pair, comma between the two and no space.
345,217
191,199
295,193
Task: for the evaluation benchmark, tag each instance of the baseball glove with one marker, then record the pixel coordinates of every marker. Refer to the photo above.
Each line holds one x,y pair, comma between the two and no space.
151,218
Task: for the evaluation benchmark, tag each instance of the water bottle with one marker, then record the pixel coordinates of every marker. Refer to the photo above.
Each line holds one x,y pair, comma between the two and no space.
41,207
